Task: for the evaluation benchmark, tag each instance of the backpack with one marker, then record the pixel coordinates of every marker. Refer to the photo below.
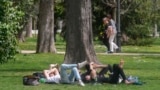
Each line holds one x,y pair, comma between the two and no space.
30,80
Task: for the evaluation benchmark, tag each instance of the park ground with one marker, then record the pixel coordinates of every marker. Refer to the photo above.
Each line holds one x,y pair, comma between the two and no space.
141,61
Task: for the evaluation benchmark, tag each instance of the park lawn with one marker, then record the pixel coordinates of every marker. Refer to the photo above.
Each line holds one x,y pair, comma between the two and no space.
30,44
145,67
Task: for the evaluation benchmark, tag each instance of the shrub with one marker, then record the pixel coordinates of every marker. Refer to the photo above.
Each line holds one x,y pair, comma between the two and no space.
10,17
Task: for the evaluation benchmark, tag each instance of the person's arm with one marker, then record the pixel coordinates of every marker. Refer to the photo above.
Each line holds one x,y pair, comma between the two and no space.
91,64
109,31
128,82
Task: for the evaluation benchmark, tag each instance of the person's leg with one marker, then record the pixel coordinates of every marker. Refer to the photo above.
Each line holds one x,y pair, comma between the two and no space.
75,75
106,42
63,72
82,64
68,66
115,77
111,38
112,44
115,46
108,45
105,70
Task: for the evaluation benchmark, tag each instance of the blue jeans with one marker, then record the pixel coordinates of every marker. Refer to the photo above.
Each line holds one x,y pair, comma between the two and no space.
69,78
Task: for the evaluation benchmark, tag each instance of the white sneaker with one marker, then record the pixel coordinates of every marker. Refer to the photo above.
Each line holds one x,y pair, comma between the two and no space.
81,83
82,64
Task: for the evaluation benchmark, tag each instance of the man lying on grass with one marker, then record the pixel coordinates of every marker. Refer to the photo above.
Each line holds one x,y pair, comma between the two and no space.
116,72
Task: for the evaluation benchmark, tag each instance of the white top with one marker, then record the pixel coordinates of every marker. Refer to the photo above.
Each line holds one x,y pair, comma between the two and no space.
55,79
113,25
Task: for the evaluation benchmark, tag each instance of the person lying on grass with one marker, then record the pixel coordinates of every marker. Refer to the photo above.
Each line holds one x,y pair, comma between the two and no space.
52,74
115,73
56,75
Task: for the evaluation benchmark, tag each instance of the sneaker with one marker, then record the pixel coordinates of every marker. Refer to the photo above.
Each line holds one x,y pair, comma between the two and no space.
82,64
110,52
81,83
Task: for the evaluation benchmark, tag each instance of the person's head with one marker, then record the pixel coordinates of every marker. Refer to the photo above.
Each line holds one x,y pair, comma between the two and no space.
88,67
88,77
105,20
109,16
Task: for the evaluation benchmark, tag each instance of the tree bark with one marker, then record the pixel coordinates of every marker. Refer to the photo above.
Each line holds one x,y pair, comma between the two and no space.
79,43
28,27
45,40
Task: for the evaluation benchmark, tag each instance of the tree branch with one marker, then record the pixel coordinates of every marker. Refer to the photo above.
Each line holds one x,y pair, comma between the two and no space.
109,3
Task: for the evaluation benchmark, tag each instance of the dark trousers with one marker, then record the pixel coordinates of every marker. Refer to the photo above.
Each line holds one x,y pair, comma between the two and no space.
101,75
114,78
106,41
117,72
105,70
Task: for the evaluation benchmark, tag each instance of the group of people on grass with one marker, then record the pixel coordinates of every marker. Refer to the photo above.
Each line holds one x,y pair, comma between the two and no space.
109,34
70,73
94,73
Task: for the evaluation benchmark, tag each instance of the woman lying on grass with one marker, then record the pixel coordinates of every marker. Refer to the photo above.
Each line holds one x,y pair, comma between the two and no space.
53,75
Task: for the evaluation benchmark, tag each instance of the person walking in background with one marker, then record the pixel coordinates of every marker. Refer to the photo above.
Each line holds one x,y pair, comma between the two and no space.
111,33
105,39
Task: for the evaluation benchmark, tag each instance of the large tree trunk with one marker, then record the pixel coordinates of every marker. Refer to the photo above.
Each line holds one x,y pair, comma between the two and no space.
79,45
45,42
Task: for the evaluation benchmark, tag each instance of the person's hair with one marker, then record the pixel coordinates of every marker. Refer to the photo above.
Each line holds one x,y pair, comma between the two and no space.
109,16
88,67
104,18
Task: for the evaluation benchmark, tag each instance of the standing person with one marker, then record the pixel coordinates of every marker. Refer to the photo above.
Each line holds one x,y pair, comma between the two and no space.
112,33
105,39
74,74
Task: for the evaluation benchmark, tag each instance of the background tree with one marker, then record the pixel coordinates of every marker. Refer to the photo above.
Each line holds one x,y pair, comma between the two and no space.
79,44
29,9
45,42
139,26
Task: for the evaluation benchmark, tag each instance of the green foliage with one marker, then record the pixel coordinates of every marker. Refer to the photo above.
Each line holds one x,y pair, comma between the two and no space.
59,10
28,9
8,29
137,23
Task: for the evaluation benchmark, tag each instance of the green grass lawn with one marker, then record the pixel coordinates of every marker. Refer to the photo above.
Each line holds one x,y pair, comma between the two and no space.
145,67
30,44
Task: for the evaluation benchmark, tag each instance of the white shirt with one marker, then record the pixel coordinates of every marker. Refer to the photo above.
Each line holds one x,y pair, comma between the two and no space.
55,79
113,25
